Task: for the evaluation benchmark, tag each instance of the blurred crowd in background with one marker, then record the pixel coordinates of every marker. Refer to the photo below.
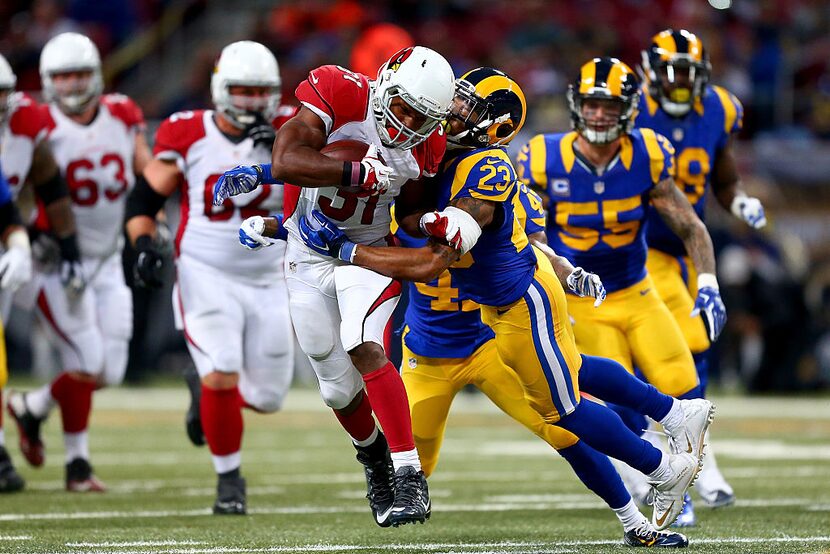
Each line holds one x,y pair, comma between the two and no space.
774,55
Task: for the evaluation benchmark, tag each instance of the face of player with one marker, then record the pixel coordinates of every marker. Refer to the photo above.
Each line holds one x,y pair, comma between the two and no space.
406,114
251,98
601,115
71,82
676,80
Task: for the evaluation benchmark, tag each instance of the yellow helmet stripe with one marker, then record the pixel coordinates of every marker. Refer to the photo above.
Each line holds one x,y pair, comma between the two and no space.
587,77
665,42
615,78
695,47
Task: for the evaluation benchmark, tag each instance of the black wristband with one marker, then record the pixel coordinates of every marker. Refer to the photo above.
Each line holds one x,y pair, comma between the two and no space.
353,174
52,190
144,242
69,248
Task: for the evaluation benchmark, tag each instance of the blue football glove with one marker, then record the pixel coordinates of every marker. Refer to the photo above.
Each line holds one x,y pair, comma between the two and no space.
584,283
709,306
324,237
236,181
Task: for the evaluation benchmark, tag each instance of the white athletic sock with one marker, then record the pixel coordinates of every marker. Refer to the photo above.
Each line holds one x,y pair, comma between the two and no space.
76,445
673,421
630,516
372,438
408,458
663,471
40,402
229,462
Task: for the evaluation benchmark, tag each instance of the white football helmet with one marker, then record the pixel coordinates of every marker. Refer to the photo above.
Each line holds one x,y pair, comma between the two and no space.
251,64
8,80
423,79
71,52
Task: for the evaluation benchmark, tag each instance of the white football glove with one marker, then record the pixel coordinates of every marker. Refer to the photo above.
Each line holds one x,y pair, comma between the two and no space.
375,175
750,210
584,283
15,268
250,233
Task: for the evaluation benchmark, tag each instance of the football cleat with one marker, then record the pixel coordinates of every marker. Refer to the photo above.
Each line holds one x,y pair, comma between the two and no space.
380,477
230,496
669,493
193,418
711,484
697,416
28,427
635,482
687,516
10,480
79,477
648,537
412,503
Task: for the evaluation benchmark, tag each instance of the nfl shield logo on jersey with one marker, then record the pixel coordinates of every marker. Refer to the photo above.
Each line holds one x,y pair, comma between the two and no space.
413,363
677,134
599,187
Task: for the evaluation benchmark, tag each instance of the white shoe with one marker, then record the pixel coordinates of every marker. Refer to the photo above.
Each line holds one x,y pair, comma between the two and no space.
668,494
711,484
697,416
635,482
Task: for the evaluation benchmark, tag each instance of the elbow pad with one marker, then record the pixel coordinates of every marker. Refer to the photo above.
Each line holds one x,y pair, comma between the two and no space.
52,190
468,229
143,200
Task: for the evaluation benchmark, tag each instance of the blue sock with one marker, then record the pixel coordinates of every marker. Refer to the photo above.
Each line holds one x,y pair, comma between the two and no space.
603,430
702,365
597,473
633,420
694,393
609,381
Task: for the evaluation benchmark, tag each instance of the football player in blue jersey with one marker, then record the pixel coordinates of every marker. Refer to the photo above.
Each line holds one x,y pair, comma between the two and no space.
15,269
677,101
601,179
523,301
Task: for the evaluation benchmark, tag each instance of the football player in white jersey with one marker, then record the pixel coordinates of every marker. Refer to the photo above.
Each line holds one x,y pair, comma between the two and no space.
340,311
244,354
15,269
26,157
97,140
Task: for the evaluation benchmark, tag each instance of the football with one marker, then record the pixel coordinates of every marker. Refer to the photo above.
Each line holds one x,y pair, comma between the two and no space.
346,150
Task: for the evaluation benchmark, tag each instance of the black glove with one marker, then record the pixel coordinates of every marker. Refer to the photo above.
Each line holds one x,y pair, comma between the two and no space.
147,269
262,132
71,270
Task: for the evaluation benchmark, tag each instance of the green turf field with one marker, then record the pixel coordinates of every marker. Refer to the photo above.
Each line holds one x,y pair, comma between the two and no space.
496,489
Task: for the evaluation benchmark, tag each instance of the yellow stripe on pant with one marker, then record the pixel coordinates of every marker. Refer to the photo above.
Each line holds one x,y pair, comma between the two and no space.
678,295
535,340
432,383
634,327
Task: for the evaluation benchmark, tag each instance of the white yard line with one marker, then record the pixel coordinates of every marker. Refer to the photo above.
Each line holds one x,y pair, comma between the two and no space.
15,537
585,502
442,548
132,543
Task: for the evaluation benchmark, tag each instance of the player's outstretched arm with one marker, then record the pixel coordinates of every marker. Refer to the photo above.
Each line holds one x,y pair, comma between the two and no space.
681,218
726,185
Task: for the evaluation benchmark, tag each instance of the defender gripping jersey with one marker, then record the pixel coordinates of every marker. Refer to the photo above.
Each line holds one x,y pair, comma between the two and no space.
499,268
443,321
697,137
597,221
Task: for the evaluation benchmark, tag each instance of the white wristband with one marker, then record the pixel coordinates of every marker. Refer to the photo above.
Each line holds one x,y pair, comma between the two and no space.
707,280
19,239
